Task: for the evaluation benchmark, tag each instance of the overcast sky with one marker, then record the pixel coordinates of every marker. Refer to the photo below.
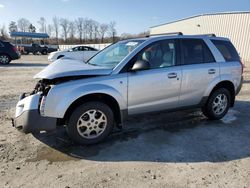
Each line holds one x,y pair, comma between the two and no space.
131,16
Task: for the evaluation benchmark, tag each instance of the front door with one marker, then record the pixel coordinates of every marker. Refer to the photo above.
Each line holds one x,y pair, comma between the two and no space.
157,88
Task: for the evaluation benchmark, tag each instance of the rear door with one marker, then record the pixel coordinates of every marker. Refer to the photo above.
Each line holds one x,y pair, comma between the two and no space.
199,69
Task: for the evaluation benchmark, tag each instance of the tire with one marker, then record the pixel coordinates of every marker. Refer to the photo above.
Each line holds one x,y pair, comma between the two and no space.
90,123
26,52
44,52
218,104
4,59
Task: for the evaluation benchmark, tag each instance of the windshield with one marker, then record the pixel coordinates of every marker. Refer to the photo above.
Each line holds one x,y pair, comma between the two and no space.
112,55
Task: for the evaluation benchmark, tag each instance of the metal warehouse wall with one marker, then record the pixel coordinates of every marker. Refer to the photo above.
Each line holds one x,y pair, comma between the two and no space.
235,26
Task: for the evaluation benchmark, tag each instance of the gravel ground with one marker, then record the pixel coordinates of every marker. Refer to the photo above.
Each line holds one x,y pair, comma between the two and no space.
181,149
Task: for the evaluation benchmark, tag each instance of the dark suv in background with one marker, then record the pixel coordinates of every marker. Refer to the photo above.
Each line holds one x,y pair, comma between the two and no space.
8,52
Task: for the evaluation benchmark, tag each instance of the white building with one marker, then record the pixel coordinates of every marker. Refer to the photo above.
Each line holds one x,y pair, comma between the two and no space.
234,25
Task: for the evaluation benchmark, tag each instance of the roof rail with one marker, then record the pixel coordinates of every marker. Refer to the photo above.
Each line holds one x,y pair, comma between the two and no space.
208,35
172,33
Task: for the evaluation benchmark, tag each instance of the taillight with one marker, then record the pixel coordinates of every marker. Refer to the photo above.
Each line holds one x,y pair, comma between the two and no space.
14,48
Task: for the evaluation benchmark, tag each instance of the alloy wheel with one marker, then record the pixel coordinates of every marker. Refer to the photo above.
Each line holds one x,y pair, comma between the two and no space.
91,124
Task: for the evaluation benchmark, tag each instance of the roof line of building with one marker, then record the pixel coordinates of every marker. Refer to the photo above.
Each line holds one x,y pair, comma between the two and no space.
206,14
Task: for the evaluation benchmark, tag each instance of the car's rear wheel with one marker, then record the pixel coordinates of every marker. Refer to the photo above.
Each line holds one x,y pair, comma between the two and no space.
218,104
44,52
90,123
4,59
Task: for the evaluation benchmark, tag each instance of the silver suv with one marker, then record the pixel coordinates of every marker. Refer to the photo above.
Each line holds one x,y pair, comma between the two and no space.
130,77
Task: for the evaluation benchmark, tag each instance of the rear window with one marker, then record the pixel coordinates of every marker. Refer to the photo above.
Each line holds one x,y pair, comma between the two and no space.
195,51
227,49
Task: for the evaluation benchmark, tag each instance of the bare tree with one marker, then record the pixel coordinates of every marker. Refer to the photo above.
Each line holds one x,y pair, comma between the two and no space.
112,30
72,30
85,29
12,26
3,33
56,24
89,28
32,28
65,27
96,26
80,27
42,23
23,24
49,29
103,31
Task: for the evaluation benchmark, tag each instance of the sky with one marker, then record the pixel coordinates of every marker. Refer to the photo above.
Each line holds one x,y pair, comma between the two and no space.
131,16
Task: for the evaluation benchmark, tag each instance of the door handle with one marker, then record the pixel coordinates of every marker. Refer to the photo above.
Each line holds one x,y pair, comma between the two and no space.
172,75
211,71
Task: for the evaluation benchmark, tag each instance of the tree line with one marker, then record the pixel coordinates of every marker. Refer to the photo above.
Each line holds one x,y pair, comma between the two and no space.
64,31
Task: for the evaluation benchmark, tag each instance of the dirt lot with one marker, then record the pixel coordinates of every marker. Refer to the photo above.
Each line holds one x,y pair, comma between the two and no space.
181,149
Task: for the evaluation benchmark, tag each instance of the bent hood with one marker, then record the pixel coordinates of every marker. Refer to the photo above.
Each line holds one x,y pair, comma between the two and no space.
69,67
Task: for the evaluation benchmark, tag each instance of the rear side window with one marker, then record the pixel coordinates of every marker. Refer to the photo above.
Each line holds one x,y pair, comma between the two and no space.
195,51
226,49
91,49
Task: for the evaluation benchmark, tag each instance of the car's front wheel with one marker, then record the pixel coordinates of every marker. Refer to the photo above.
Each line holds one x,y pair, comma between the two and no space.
4,59
218,104
90,123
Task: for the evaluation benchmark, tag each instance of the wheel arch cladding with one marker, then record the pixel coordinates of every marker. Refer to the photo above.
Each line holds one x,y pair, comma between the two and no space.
100,97
227,85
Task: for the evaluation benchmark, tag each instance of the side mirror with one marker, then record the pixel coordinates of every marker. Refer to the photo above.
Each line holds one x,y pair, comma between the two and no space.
140,65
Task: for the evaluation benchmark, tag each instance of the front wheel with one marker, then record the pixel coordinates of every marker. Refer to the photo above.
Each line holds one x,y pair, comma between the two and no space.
218,104
90,123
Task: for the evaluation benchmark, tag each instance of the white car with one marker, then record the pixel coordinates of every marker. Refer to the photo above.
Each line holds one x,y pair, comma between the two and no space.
83,53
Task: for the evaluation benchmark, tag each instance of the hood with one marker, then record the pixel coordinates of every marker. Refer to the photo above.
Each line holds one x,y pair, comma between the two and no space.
69,67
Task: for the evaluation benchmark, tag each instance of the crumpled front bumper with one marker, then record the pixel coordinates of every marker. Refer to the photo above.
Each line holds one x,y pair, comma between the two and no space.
28,118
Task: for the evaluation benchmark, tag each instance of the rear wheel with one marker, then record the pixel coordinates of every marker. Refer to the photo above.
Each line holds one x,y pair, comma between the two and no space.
90,123
4,59
218,104
44,52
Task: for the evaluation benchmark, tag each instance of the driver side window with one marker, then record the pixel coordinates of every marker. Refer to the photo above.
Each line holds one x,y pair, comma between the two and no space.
159,54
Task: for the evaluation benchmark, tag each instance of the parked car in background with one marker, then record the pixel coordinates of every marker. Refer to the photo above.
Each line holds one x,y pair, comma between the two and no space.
8,52
35,49
83,53
131,77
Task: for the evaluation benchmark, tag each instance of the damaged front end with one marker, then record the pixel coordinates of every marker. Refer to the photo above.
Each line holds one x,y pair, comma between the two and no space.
29,117
30,110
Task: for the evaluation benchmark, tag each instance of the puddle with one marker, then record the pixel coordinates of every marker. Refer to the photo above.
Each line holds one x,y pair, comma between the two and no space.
230,117
51,155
